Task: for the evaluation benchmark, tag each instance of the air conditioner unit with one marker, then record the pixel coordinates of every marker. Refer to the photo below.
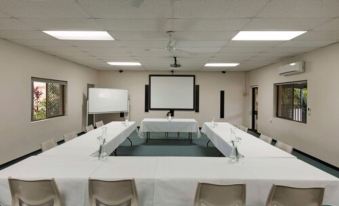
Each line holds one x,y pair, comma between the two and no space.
292,68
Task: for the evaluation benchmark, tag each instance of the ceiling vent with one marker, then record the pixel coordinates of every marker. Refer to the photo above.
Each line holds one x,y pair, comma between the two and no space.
292,68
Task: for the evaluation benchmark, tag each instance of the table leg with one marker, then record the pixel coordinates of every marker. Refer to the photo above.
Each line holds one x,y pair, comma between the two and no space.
130,141
115,152
178,135
208,143
147,137
190,136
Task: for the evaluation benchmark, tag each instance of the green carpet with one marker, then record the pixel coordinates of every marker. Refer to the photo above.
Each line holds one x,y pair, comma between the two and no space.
160,145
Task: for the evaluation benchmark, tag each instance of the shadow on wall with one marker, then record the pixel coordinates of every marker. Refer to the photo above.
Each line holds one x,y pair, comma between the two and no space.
235,119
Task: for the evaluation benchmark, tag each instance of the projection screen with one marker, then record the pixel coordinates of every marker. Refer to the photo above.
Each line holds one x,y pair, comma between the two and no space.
172,92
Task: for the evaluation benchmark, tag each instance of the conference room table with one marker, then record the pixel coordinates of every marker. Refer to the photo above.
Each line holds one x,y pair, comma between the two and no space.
162,181
170,181
166,125
220,134
88,144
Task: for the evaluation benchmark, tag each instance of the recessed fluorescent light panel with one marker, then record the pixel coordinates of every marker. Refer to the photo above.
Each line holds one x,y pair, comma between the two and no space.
124,63
80,35
267,35
221,64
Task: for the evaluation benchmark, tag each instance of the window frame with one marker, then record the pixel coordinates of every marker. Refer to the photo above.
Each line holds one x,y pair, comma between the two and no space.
64,94
276,89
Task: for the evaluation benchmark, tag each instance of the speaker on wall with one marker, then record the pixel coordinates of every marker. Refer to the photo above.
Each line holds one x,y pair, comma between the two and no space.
146,98
196,98
222,104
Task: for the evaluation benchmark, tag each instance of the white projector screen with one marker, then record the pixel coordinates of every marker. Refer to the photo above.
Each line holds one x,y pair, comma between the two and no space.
172,92
101,100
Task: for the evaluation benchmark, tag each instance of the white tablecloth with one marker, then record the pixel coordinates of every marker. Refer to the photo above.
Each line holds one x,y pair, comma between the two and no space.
249,146
88,144
163,181
71,176
166,125
170,181
177,178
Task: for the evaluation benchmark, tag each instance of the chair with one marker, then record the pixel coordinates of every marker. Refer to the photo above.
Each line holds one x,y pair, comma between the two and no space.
266,138
70,136
290,196
49,144
99,124
89,128
220,195
34,193
241,127
284,146
112,193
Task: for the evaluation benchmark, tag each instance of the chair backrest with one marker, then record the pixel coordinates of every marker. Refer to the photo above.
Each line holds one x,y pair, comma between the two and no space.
117,193
285,147
99,124
37,192
70,136
220,195
266,138
89,128
49,144
242,127
290,196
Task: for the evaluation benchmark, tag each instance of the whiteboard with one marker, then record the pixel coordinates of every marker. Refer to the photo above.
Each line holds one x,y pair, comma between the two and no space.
172,92
104,100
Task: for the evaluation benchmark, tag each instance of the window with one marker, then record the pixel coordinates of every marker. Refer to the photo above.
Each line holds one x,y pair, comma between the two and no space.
48,98
292,101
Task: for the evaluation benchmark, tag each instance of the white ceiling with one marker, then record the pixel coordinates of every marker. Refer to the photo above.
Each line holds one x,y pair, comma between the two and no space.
203,27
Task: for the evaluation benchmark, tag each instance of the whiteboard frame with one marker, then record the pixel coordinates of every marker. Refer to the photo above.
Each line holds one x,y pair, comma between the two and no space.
108,112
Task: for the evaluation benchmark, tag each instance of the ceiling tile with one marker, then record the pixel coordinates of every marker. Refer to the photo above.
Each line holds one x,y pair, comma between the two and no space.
61,23
129,24
311,44
24,34
206,24
139,35
319,36
126,9
217,8
12,24
331,25
284,23
204,36
203,29
43,9
301,8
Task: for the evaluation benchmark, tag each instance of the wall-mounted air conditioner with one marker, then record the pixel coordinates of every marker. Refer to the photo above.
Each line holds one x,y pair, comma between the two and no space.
292,68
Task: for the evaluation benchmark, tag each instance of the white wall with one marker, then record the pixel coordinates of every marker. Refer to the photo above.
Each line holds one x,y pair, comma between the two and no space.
210,85
320,136
18,135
